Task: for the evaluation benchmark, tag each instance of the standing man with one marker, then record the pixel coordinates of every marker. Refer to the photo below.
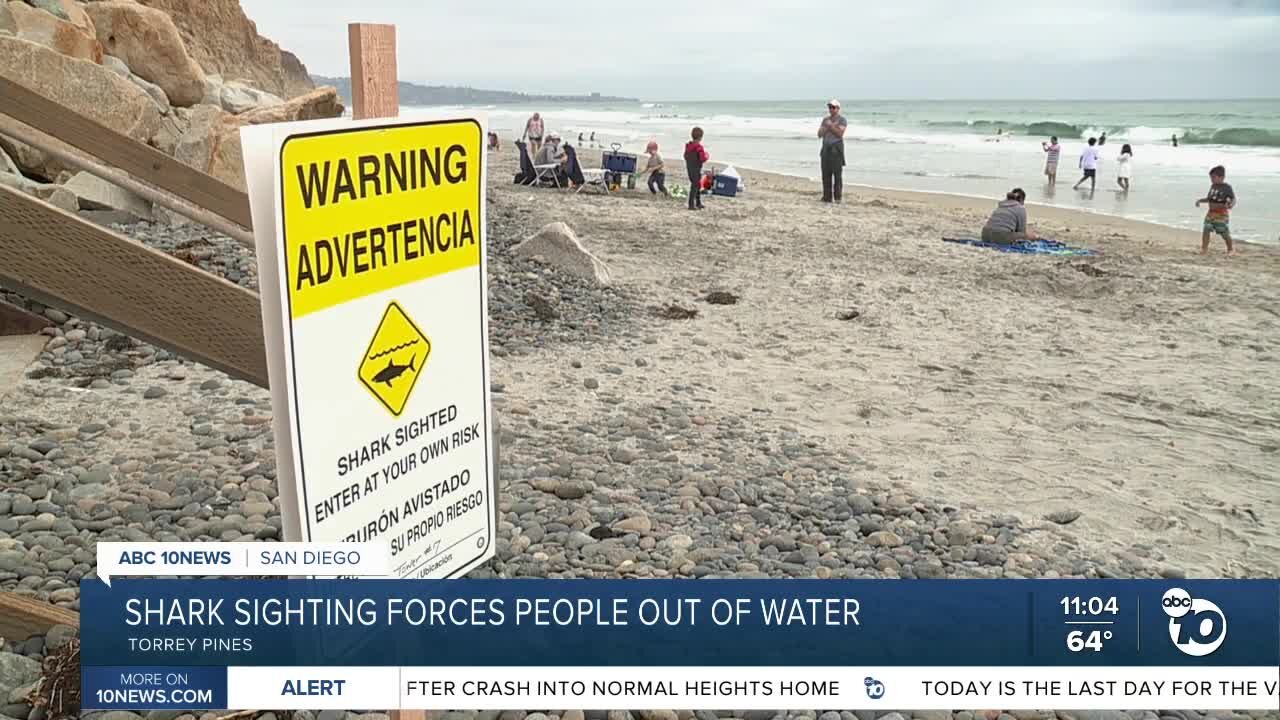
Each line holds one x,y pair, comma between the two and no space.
832,154
533,131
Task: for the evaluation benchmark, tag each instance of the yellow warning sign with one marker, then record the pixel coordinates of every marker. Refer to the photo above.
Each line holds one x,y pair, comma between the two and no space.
371,209
394,360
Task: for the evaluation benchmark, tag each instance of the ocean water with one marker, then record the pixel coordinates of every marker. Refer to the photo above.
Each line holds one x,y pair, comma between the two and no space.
976,148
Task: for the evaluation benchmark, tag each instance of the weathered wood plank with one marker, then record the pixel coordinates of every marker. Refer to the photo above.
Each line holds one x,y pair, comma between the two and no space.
113,148
375,88
21,616
61,260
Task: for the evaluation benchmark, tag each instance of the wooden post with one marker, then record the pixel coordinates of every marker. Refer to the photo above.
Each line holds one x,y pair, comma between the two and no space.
375,86
375,93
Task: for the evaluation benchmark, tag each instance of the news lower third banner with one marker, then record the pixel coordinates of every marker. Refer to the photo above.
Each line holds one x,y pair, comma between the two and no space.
759,644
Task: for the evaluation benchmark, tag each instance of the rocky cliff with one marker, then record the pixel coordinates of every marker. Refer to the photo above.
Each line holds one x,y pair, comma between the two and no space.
181,76
226,42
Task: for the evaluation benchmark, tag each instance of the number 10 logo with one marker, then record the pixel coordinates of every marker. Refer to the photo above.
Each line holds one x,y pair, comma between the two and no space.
1197,626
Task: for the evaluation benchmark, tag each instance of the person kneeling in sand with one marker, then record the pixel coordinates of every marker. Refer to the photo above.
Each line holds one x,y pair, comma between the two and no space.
1008,224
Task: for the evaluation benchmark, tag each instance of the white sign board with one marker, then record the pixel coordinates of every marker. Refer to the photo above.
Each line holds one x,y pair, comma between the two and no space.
371,261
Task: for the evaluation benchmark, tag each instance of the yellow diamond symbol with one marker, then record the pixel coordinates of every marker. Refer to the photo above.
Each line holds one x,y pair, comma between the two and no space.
395,358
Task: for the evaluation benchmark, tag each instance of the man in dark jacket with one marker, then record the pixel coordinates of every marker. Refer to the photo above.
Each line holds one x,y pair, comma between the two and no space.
832,154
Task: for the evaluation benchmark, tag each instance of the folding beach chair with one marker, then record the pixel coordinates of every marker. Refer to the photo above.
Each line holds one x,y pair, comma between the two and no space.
573,169
546,173
594,178
527,175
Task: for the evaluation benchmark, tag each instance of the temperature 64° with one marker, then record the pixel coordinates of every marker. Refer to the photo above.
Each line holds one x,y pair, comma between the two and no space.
1078,640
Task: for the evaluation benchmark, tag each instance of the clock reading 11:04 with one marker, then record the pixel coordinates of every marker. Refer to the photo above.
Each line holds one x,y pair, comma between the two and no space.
1089,606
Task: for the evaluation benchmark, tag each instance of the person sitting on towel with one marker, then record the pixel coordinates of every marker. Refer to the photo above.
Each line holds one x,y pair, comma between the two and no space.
1008,224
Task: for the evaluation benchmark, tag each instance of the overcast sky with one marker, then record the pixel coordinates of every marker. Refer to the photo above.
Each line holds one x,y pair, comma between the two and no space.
800,49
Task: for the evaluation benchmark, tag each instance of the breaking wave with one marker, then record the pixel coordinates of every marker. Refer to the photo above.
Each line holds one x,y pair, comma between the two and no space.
1241,136
1254,137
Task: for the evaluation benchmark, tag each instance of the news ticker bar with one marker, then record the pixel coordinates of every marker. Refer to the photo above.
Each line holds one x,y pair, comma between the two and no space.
693,688
721,623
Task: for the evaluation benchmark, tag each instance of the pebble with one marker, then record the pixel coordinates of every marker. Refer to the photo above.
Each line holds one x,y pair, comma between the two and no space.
570,491
884,538
640,524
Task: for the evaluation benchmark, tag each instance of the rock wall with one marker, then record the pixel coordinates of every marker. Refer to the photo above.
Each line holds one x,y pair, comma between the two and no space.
226,42
153,70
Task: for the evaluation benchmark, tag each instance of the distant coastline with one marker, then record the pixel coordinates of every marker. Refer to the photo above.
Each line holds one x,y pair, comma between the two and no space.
414,94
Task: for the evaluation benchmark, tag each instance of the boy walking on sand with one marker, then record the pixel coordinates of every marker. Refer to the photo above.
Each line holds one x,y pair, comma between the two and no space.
657,170
1089,164
1221,199
695,156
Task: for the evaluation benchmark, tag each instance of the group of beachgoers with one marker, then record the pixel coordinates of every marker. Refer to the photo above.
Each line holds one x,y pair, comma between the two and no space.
1090,160
548,148
1008,222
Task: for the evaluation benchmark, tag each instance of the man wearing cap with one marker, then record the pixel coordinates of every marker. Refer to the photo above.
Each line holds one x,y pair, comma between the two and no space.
832,133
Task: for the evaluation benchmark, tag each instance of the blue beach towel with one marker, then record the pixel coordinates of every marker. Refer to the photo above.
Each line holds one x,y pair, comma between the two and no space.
1026,247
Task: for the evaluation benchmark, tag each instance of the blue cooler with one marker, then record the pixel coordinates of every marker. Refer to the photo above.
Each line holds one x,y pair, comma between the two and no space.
618,162
724,185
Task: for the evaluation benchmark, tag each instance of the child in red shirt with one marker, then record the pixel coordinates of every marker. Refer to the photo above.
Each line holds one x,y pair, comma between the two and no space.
695,156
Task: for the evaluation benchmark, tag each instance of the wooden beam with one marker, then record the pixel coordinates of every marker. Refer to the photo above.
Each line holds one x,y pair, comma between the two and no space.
375,87
59,259
21,617
113,148
61,151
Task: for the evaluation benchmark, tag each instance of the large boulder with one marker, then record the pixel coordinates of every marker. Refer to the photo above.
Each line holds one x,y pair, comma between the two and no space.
95,193
51,193
236,97
79,85
558,246
70,38
211,142
148,42
157,93
225,42
172,128
318,104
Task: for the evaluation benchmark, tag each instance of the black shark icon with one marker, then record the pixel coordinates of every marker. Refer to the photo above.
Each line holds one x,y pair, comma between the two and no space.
393,371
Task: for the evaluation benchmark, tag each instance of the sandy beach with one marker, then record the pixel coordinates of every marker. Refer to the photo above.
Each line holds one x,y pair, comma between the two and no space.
977,415
1136,388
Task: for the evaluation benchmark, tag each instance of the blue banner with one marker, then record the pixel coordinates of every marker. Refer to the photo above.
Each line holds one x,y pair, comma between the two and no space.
154,688
957,623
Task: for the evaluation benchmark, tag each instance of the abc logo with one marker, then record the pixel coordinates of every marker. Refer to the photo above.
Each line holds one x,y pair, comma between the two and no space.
1196,626
875,688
